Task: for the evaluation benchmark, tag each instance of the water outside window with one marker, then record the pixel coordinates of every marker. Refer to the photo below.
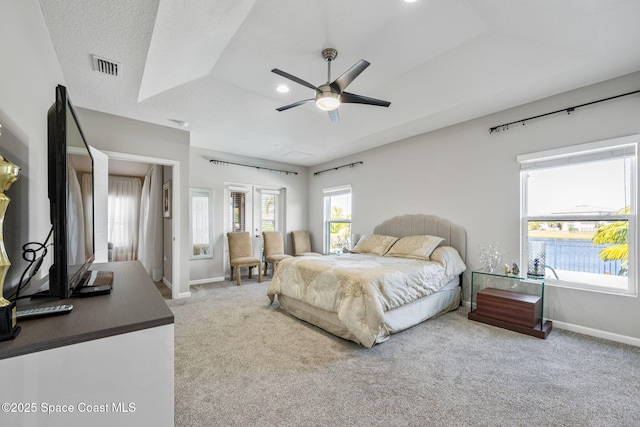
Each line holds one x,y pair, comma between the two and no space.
579,213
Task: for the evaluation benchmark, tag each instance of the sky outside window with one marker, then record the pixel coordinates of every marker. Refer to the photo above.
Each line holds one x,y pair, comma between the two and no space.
602,185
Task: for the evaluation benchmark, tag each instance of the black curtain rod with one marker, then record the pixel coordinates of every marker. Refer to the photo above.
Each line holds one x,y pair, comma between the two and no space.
568,110
224,162
350,165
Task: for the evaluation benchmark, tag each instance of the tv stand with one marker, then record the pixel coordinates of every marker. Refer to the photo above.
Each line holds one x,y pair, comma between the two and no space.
114,351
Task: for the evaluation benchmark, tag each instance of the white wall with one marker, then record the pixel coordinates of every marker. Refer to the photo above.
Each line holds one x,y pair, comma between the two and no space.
462,172
29,73
203,174
471,177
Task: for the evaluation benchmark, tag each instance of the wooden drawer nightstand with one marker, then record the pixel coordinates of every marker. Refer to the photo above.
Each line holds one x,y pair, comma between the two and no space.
510,302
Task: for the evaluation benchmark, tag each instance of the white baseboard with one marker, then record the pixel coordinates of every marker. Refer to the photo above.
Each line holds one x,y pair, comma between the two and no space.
596,333
166,282
168,285
203,281
587,331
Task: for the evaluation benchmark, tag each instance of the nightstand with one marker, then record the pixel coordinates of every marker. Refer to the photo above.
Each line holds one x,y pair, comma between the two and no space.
507,301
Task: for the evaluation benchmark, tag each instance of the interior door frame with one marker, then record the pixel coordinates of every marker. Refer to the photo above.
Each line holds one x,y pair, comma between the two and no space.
253,213
175,202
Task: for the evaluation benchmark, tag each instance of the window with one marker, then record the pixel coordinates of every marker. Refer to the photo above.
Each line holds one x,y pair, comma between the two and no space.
269,215
337,219
254,208
578,217
124,217
237,211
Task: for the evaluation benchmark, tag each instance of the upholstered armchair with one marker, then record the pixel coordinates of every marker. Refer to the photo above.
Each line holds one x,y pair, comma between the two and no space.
241,255
302,244
273,249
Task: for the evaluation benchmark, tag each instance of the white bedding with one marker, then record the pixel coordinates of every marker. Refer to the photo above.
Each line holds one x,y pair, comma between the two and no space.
360,289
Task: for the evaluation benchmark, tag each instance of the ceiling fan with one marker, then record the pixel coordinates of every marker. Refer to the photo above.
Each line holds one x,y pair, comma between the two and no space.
330,95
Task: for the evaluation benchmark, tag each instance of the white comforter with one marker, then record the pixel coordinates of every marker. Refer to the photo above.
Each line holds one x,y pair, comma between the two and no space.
360,288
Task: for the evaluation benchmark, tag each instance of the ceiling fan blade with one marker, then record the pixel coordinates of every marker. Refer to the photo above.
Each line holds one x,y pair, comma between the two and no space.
295,104
334,117
293,78
351,98
348,76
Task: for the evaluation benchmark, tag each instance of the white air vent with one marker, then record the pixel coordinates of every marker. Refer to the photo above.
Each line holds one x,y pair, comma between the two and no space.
106,66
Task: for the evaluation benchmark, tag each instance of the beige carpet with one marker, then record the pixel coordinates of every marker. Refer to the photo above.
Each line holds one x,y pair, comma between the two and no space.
240,362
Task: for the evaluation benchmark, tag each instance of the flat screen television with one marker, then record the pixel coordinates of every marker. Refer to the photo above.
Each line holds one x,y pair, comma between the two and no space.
70,175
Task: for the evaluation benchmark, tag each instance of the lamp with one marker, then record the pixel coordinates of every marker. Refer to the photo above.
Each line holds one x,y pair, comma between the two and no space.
326,98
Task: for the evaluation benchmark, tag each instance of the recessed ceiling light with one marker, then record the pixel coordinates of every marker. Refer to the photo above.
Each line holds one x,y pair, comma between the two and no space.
283,88
410,1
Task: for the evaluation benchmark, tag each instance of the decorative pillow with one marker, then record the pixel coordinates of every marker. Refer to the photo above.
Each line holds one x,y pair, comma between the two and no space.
374,244
415,247
450,259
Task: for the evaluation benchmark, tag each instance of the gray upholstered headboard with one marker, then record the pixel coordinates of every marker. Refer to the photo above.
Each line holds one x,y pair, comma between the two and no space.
419,224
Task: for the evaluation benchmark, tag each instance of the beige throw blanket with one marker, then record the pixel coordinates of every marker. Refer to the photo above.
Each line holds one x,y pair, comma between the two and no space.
360,288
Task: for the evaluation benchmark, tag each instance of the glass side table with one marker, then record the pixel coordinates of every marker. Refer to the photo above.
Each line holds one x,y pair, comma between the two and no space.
508,301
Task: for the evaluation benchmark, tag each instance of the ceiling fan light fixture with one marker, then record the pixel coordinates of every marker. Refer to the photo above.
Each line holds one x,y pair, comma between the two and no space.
327,99
328,103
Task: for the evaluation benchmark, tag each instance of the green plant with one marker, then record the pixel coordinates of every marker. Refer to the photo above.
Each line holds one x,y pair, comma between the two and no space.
616,234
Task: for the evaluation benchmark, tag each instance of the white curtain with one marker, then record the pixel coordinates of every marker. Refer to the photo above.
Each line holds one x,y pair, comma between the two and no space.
87,201
150,250
124,216
75,221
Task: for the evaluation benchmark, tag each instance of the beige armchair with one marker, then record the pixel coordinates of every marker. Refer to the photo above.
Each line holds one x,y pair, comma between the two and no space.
273,249
302,244
241,255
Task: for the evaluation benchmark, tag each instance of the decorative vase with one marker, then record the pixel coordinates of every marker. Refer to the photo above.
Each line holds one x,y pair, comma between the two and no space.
490,257
8,329
536,263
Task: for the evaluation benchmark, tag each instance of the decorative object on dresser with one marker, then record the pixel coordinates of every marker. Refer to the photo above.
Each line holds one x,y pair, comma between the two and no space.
509,301
8,329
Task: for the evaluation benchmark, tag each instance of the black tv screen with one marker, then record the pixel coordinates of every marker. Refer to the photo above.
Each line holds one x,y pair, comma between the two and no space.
70,174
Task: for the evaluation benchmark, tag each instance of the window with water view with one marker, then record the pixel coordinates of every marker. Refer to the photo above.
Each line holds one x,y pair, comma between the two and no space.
337,219
579,218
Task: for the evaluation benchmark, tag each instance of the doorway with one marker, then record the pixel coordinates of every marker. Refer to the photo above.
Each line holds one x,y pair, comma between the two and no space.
172,223
253,208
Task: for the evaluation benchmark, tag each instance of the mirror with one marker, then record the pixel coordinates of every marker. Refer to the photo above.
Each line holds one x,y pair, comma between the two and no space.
200,231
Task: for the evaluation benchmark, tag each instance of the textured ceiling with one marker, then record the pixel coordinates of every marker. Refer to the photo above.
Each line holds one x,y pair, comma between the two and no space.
439,62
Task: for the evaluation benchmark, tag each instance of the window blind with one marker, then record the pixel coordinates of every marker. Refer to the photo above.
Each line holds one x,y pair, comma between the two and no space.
237,211
618,148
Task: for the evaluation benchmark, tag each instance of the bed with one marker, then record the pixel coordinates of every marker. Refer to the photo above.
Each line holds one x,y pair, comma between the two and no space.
405,272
